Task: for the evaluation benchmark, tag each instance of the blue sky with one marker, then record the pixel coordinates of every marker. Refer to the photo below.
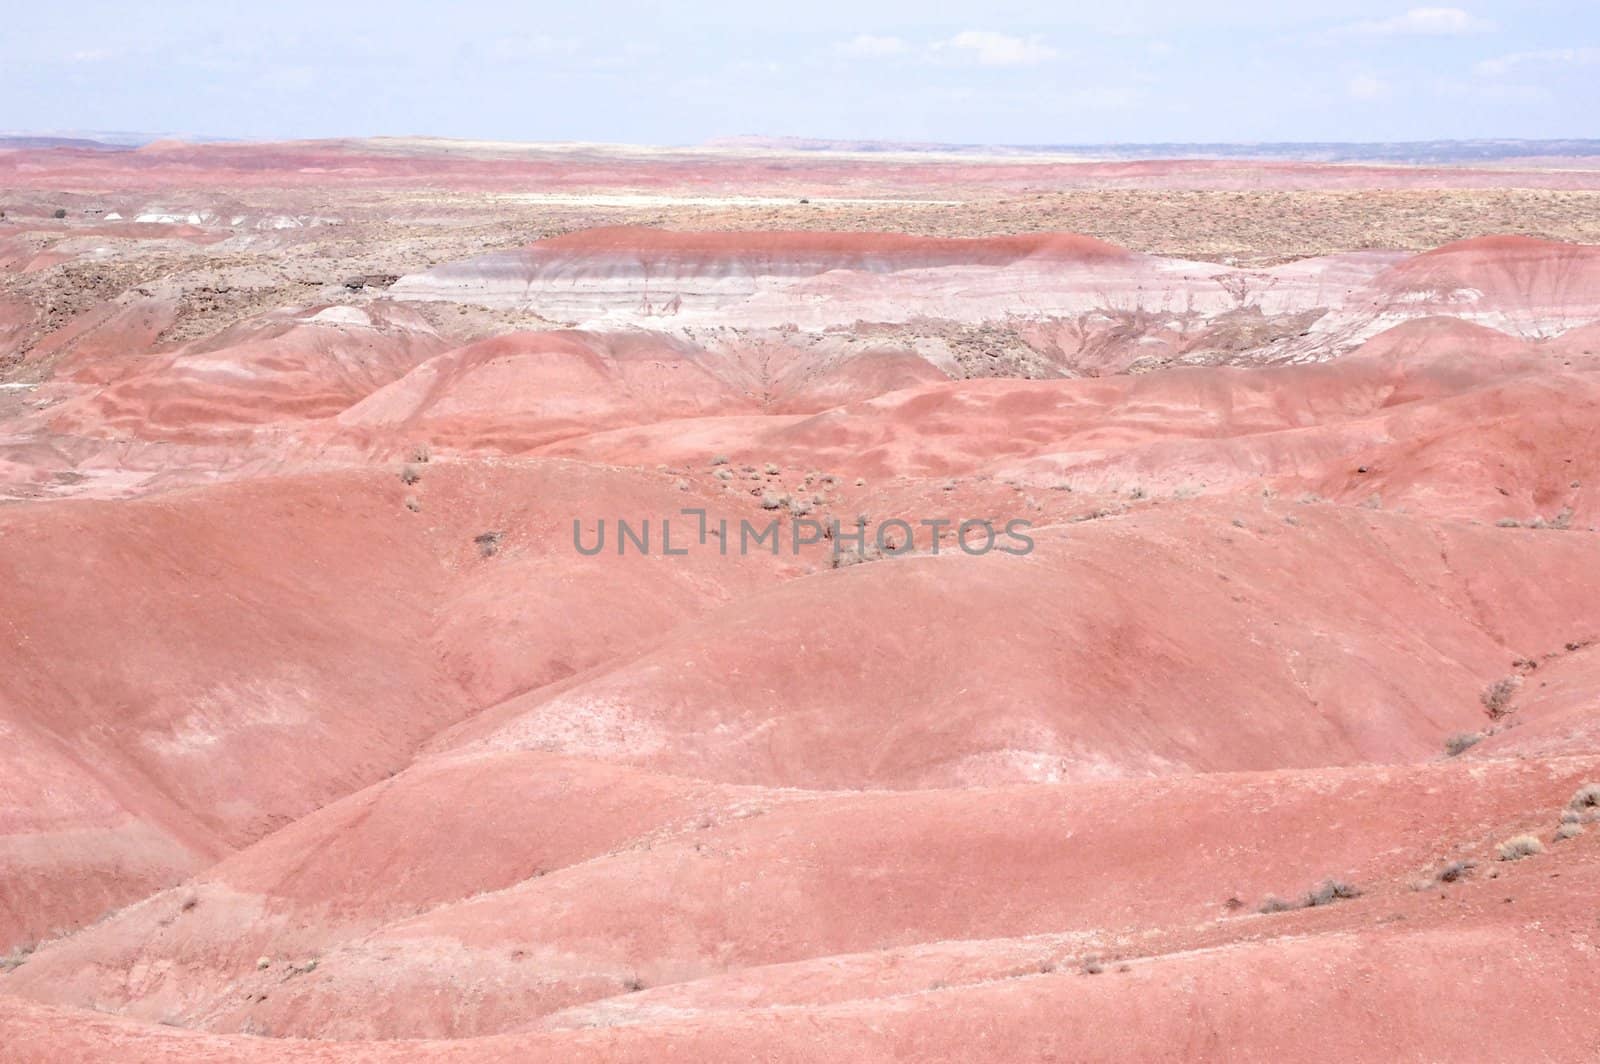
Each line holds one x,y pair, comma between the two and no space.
665,73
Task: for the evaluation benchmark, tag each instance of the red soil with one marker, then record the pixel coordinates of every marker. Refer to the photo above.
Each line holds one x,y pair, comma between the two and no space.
320,740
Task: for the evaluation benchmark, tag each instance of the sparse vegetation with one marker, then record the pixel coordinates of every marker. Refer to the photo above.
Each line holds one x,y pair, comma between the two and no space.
1496,698
845,559
1515,849
633,984
1330,891
1454,871
489,543
17,957
59,213
413,504
1568,831
1092,966
422,454
410,474
1461,742
1587,797
720,460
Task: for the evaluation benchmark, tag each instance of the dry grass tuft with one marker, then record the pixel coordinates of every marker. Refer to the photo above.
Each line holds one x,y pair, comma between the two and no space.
1515,849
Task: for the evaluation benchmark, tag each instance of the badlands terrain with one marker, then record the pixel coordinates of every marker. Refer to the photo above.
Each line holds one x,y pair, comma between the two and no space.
325,735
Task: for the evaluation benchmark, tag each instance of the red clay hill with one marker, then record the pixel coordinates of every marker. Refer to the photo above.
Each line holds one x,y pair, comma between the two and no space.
391,673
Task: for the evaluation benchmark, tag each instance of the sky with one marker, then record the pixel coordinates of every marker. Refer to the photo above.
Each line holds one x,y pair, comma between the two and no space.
998,72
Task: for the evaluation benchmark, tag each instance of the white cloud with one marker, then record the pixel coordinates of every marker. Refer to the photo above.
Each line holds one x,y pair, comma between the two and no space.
1366,87
91,55
1505,64
1000,49
868,46
1426,22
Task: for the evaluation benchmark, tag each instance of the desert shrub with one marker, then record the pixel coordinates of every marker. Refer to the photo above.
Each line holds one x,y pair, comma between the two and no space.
1330,891
413,504
1587,797
771,469
1496,698
489,543
771,500
1568,831
1508,522
633,984
422,454
1092,966
1461,742
1515,849
17,957
59,212
410,474
720,459
846,558
1454,871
